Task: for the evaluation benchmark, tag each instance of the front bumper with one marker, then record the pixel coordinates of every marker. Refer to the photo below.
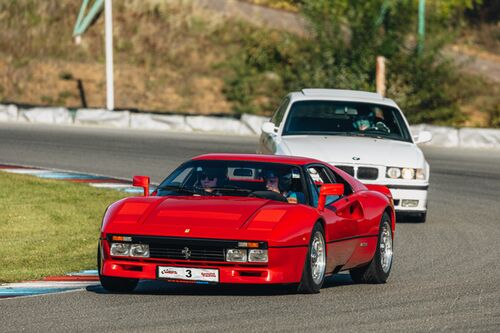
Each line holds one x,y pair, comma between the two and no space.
402,195
285,266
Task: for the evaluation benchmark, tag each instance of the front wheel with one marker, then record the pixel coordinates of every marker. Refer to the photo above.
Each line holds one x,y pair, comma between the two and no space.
115,284
313,274
378,270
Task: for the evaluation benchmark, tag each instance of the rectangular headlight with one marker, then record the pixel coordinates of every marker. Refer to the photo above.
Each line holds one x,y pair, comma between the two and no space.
139,250
236,255
257,256
120,249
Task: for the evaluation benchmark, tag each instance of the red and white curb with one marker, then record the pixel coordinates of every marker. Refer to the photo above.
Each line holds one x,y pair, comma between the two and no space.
51,284
75,177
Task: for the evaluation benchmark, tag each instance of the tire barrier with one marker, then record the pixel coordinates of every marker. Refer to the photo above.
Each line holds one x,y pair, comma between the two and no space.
246,125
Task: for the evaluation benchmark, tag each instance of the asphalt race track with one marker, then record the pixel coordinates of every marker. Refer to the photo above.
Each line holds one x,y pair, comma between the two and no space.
446,274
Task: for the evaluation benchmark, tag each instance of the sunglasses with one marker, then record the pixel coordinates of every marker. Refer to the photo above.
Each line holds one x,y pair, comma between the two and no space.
204,176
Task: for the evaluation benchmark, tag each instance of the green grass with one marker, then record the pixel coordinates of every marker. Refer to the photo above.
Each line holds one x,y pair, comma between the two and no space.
48,227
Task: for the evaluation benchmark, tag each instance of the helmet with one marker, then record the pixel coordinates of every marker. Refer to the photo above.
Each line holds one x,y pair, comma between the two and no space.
285,182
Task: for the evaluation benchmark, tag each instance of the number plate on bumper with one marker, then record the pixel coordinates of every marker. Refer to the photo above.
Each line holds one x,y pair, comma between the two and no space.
188,274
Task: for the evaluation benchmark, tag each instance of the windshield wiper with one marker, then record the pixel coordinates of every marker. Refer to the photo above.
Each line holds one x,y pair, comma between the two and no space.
190,190
231,189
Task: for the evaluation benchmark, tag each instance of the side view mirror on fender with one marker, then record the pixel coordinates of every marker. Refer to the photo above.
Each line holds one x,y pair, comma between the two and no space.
269,128
142,181
326,190
423,137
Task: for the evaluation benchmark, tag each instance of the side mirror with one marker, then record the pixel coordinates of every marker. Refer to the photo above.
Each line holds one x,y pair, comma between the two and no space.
423,137
142,181
326,190
269,128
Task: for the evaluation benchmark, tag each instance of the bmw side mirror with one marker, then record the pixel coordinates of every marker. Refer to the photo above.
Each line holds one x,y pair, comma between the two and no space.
142,181
423,137
326,190
269,128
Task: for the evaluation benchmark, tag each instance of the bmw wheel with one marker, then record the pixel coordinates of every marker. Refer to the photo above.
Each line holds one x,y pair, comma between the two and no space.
379,268
313,274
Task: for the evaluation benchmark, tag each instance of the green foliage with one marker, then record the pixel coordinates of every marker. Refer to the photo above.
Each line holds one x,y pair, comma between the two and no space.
346,37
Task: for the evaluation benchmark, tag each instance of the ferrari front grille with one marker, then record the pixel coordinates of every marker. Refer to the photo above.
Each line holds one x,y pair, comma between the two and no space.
186,253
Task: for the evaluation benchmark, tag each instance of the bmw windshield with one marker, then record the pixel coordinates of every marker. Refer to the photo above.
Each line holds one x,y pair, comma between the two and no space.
346,118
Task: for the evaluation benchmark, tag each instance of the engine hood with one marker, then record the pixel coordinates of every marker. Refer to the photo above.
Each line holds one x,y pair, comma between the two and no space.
361,150
184,216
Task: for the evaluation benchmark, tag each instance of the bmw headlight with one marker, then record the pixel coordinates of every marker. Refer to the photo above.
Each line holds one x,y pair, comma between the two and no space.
394,173
405,173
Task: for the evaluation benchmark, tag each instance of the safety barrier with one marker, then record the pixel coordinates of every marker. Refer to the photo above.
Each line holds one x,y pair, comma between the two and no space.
59,116
8,112
246,125
159,122
218,124
103,118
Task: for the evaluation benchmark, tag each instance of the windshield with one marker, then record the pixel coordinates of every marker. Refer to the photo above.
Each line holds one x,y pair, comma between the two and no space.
346,118
273,181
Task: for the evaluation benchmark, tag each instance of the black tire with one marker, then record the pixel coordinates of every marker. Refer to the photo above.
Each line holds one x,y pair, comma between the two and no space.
373,272
115,284
308,284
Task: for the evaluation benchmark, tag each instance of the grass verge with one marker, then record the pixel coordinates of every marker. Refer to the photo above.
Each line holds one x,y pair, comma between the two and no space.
48,227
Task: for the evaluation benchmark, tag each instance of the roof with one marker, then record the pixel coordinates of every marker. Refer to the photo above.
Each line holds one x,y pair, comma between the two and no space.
343,95
258,158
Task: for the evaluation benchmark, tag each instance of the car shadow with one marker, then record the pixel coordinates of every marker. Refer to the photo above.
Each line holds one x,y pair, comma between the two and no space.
154,287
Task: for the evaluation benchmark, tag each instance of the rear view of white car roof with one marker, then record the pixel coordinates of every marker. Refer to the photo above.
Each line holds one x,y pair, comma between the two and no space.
344,95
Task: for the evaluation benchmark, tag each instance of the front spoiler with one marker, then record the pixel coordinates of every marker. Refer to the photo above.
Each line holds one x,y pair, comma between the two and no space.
285,266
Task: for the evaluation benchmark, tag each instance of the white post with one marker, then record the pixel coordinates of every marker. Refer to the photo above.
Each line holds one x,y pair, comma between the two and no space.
108,18
380,75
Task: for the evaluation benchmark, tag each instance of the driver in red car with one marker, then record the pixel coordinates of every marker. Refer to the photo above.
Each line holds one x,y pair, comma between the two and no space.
210,178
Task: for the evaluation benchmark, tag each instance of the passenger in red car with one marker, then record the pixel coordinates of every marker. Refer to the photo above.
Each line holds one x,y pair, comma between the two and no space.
280,185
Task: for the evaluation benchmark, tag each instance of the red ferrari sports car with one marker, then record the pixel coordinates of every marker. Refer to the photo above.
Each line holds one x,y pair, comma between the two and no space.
250,219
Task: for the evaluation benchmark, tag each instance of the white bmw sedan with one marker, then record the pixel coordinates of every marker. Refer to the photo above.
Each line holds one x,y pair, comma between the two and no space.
359,132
